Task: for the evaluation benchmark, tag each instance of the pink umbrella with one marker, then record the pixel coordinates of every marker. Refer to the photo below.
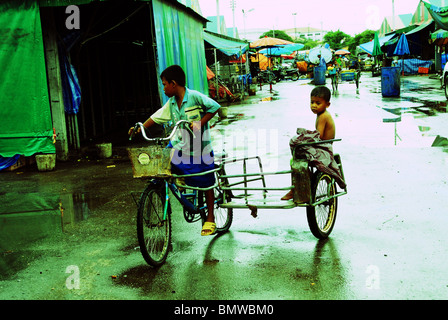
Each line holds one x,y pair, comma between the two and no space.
267,42
342,52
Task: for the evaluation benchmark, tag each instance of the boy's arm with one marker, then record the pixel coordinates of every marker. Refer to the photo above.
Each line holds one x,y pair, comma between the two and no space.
206,118
210,107
321,122
160,116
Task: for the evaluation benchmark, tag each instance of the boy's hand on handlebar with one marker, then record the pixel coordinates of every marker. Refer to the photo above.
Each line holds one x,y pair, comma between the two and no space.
138,130
195,126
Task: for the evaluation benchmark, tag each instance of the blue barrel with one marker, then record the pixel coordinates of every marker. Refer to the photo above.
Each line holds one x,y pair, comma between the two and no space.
319,75
390,81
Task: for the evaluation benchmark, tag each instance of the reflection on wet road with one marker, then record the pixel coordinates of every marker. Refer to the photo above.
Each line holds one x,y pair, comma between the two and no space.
29,217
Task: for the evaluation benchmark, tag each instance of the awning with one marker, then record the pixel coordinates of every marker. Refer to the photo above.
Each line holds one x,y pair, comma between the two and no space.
439,14
226,45
439,34
368,47
421,27
417,39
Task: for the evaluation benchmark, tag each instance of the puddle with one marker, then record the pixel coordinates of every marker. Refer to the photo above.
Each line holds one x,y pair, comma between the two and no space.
234,117
26,218
427,109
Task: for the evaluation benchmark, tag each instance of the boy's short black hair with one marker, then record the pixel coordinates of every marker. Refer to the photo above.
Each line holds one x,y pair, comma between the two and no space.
321,92
174,73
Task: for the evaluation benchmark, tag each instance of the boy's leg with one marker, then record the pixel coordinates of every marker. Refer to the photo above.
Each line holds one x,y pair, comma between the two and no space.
210,201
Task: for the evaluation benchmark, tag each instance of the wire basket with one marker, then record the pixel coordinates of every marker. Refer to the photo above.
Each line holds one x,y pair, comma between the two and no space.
150,162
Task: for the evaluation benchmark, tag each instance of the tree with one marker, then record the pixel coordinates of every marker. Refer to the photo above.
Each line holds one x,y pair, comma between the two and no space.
360,38
279,34
337,39
308,43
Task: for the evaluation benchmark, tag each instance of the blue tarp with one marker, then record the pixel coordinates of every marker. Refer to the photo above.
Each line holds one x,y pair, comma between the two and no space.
411,65
280,50
6,162
70,83
368,47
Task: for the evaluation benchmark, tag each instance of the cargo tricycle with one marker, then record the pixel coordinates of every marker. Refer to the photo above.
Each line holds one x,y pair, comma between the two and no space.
312,189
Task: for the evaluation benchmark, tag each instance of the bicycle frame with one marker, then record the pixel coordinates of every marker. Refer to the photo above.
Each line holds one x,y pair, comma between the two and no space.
173,186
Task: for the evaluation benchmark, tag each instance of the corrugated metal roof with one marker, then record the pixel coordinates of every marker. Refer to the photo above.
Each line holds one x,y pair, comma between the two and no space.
63,3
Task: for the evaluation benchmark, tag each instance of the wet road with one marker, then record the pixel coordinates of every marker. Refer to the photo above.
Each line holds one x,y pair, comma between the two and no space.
388,241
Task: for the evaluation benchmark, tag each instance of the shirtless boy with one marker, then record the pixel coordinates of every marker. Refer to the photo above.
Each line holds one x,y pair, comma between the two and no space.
320,101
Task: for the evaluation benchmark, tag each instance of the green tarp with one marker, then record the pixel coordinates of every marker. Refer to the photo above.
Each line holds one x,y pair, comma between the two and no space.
25,116
439,14
180,41
229,47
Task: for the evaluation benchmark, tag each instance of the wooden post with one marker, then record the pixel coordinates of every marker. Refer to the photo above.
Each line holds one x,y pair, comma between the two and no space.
54,83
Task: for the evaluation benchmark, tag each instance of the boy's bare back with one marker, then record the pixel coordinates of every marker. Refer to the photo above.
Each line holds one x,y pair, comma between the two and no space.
320,101
325,125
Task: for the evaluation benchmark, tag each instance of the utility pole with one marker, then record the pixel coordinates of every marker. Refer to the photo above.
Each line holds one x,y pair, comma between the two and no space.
218,18
233,5
244,20
393,16
295,29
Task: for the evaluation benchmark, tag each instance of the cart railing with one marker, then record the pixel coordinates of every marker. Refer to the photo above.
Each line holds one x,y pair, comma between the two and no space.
245,182
266,199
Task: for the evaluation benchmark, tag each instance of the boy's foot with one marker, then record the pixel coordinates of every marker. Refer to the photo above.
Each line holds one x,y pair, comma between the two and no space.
288,196
208,229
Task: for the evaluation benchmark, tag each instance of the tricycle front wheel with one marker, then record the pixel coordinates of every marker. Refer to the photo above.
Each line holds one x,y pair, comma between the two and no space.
322,217
154,224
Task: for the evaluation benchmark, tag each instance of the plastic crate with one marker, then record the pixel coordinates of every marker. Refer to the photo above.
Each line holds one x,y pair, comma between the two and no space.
423,70
347,76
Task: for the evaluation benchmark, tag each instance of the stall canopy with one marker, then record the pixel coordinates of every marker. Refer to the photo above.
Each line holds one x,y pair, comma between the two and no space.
26,124
417,39
228,46
439,14
440,37
368,47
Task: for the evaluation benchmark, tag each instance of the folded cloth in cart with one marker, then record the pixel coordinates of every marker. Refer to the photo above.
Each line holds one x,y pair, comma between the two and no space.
319,155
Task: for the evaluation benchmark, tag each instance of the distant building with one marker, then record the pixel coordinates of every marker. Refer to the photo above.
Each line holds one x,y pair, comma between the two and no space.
254,34
307,32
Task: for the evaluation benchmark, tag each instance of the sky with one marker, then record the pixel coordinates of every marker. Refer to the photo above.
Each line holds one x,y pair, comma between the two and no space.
349,16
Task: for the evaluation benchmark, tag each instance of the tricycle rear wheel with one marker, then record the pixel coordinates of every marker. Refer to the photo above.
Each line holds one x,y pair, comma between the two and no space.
322,217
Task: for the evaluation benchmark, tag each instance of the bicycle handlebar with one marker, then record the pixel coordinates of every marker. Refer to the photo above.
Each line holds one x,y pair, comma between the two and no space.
142,129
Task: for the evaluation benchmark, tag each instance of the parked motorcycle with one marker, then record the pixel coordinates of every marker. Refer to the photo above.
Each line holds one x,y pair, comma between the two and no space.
265,76
286,72
278,74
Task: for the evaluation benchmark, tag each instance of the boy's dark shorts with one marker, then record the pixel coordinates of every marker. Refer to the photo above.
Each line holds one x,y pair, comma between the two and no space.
186,164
